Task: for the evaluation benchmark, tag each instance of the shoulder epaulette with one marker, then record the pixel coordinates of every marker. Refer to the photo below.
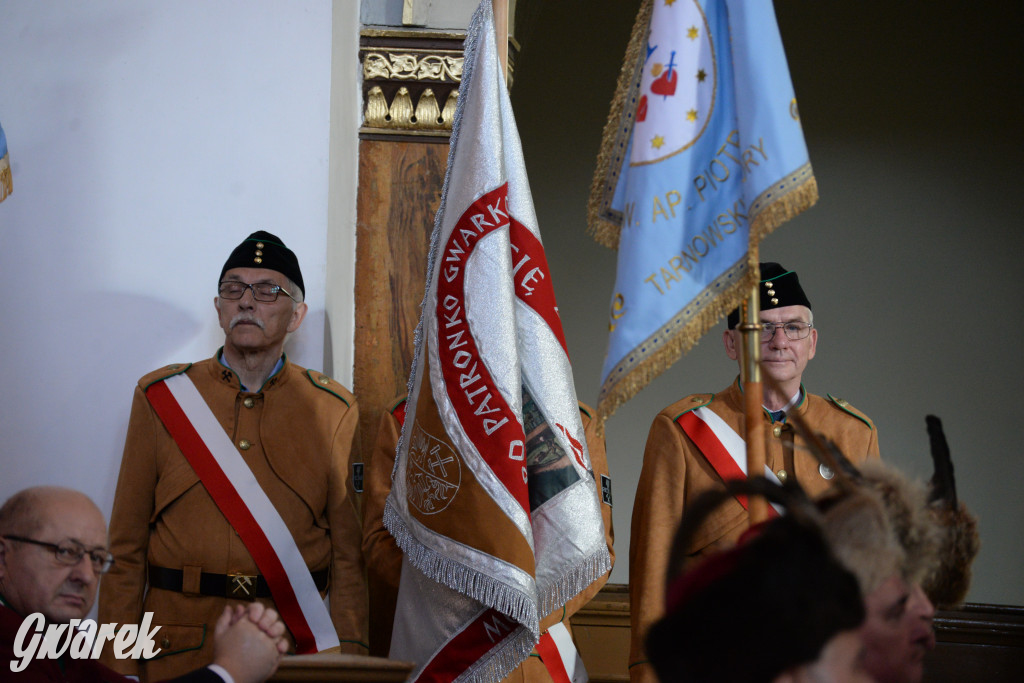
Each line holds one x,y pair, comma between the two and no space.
844,405
163,373
325,383
697,401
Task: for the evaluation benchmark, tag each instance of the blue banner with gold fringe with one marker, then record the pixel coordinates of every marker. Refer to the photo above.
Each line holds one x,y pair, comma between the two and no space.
703,155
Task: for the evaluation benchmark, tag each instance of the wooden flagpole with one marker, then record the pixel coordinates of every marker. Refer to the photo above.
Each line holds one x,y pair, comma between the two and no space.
753,395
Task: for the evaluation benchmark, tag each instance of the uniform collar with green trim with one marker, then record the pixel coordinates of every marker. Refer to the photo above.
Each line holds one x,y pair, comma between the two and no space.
270,380
797,402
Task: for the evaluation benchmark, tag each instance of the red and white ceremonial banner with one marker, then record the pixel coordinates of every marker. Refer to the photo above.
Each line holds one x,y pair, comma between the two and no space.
493,498
241,499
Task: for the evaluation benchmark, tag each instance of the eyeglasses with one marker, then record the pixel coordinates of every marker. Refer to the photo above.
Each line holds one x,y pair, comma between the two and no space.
793,330
266,292
71,553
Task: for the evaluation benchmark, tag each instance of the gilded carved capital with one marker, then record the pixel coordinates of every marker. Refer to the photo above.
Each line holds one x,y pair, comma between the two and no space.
411,81
412,66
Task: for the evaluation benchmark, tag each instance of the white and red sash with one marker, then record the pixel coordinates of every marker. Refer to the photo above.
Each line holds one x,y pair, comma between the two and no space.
560,656
721,445
238,495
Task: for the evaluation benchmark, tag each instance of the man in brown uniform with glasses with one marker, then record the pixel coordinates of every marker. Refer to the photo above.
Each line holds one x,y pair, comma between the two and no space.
236,483
697,442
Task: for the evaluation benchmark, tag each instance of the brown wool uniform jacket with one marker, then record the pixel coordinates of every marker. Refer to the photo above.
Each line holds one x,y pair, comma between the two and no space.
675,472
384,557
296,434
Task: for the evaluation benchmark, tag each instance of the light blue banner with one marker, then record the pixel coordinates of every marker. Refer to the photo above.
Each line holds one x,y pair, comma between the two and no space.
713,159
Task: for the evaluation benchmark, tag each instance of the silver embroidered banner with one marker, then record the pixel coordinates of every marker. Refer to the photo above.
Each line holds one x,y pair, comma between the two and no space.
493,497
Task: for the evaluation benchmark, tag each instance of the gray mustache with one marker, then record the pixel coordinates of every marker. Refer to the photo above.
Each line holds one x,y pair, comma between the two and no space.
245,317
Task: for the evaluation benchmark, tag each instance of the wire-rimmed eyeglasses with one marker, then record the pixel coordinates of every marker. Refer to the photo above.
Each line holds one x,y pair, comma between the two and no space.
794,330
70,553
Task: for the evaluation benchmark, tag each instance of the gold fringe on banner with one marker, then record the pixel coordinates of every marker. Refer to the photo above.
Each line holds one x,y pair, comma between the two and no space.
775,206
601,224
800,194
670,342
6,181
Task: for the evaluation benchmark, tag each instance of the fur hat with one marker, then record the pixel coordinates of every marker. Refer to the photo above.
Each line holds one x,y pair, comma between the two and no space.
959,543
947,584
879,522
881,526
781,573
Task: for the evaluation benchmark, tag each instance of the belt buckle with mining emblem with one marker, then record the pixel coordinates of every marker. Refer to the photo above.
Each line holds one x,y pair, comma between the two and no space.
241,586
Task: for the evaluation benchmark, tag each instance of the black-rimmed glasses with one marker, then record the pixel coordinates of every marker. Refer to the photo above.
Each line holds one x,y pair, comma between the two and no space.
71,553
267,292
794,330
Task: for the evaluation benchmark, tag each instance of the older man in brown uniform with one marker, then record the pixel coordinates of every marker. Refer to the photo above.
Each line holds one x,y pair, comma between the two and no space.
186,544
684,456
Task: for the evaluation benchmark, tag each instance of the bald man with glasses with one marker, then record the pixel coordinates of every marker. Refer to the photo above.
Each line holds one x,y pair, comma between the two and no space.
237,483
696,443
53,550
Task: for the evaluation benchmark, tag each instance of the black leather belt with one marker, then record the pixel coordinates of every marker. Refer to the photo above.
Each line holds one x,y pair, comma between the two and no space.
235,586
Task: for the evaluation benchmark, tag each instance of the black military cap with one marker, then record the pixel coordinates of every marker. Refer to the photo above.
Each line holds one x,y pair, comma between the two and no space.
779,287
264,250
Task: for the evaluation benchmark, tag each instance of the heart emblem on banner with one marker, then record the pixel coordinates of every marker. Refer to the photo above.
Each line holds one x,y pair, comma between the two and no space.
666,83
